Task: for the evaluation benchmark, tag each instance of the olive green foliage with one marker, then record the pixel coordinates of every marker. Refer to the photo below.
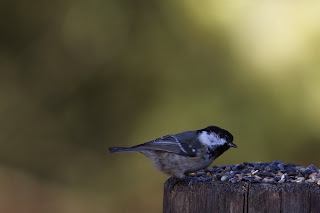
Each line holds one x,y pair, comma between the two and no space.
79,76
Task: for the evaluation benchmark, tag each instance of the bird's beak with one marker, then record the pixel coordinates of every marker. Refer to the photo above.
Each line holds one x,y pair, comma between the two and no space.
232,145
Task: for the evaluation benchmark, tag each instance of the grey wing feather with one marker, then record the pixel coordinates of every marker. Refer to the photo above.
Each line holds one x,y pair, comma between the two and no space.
180,144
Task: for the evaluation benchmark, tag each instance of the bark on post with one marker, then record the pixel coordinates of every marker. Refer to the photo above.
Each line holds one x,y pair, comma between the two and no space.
241,197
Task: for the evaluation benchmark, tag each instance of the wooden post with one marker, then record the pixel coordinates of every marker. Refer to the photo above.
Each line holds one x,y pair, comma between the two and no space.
241,197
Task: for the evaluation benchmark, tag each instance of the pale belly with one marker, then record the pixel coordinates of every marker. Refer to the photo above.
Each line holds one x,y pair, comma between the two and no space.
177,165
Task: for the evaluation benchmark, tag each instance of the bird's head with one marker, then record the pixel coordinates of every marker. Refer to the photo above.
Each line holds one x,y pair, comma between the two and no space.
214,136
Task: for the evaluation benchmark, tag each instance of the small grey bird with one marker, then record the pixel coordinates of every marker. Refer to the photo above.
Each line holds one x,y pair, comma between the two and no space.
179,154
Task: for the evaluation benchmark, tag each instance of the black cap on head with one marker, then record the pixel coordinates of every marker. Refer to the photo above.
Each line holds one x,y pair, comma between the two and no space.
221,132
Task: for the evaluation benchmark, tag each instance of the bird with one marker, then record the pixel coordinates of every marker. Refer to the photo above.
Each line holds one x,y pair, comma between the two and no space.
179,154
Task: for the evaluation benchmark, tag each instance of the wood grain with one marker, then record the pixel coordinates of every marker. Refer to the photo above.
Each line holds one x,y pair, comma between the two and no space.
241,197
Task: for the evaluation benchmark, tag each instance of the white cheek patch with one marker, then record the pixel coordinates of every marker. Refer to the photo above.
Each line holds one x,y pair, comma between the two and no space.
211,139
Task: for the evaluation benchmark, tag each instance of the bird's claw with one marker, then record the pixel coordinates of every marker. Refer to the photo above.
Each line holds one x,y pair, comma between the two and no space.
194,180
173,183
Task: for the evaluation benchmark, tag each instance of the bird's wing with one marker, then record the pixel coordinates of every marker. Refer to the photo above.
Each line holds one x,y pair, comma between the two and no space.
178,144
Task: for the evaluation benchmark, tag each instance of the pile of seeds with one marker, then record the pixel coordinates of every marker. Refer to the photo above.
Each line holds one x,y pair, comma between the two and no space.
273,172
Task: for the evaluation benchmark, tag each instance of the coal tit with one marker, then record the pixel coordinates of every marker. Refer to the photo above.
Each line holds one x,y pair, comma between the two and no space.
179,154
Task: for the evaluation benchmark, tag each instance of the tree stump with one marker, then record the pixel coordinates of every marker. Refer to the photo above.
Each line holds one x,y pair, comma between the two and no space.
241,197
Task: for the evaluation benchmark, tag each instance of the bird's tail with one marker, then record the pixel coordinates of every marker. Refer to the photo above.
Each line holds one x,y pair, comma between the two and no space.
121,149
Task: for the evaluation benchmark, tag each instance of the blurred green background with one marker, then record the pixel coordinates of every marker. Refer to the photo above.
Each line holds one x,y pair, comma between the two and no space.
79,76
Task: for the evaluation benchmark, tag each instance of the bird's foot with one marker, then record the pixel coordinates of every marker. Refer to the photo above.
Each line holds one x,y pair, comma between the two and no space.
194,180
173,183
